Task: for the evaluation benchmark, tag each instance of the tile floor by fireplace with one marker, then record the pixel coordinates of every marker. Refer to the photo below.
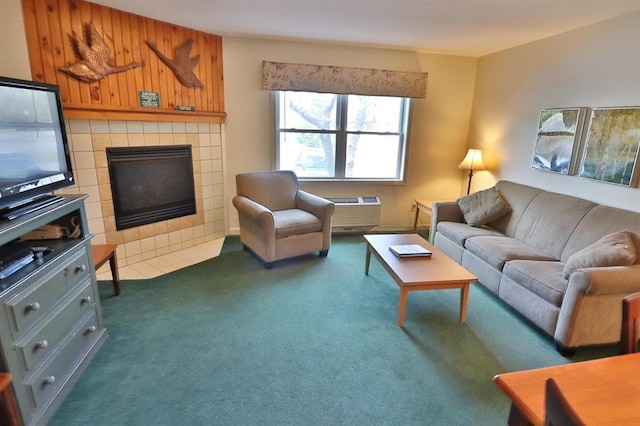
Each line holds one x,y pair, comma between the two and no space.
160,265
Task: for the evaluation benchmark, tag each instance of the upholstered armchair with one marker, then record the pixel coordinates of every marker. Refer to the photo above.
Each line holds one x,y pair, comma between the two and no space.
278,220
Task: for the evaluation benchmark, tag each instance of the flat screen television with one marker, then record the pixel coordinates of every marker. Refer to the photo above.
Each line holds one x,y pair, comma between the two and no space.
34,151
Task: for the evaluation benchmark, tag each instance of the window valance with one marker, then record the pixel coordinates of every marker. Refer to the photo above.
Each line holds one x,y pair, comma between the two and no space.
343,80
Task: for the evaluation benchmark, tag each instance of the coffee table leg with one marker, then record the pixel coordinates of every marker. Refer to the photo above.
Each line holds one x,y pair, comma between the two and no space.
464,297
403,305
367,260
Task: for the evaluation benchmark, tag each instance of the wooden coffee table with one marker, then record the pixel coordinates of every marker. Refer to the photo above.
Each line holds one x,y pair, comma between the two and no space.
437,272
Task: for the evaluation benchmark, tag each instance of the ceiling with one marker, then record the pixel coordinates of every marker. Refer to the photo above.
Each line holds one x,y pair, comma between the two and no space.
456,27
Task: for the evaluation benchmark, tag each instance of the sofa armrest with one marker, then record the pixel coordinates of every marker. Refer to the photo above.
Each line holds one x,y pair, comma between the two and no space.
605,280
318,206
444,211
591,311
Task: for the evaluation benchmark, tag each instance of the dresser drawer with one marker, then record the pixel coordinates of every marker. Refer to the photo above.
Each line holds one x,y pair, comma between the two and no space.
27,308
48,380
35,347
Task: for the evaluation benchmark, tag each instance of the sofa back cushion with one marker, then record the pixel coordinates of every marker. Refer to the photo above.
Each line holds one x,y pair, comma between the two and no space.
518,197
600,221
549,221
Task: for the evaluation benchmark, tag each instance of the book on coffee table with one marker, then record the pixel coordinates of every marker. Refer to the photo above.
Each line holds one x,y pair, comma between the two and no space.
410,250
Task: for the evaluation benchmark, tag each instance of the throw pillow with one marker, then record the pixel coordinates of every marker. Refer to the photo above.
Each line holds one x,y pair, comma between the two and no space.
615,249
483,207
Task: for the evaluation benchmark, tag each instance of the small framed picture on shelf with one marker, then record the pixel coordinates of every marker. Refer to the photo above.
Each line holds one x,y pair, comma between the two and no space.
611,146
558,140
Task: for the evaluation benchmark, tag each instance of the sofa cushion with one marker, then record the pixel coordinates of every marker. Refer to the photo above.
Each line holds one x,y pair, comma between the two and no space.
600,221
294,222
483,207
459,232
518,197
543,278
550,220
615,249
496,251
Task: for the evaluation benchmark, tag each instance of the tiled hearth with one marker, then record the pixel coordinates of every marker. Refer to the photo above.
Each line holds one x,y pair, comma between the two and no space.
150,244
165,263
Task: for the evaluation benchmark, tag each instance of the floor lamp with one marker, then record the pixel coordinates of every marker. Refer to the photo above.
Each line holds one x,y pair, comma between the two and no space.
472,161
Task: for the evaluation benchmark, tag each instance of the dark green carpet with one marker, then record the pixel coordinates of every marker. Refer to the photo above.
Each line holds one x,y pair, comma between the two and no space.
312,341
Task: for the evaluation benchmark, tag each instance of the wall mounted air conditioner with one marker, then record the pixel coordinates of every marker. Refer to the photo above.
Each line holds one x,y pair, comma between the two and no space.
355,214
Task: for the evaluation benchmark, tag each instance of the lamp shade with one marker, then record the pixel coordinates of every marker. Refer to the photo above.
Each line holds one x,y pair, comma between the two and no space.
472,161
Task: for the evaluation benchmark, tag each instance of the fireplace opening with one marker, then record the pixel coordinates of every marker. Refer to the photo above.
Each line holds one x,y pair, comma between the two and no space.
151,183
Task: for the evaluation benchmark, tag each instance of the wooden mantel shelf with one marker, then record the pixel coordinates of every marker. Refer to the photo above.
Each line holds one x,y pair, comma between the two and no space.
101,112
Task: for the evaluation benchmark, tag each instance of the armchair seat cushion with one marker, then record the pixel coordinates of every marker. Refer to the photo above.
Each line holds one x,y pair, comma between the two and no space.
295,222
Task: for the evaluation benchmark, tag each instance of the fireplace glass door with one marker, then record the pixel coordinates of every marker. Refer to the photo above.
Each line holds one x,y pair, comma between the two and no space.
151,183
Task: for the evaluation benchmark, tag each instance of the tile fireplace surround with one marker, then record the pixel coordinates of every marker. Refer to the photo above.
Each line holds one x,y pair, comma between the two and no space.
88,141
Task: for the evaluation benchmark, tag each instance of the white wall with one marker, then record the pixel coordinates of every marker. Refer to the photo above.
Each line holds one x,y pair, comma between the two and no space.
595,66
438,133
14,59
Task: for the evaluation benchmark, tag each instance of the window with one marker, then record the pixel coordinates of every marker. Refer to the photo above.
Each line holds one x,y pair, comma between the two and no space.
341,137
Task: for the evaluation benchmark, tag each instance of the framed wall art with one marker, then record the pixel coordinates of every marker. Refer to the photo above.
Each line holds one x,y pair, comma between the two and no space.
611,147
558,140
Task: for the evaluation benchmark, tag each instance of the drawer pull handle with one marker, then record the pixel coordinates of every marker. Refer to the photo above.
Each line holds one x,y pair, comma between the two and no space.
43,344
86,299
33,306
49,380
81,268
92,329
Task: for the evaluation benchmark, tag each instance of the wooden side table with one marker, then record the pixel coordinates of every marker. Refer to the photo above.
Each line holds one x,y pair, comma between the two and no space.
9,414
602,391
102,253
421,205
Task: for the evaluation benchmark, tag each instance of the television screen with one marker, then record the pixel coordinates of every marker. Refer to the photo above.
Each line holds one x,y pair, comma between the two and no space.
34,154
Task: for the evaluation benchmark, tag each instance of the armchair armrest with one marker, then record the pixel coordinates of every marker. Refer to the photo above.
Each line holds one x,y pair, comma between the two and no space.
318,206
253,211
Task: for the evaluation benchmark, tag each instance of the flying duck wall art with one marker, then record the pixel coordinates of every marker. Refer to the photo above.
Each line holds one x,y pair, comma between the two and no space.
95,62
183,65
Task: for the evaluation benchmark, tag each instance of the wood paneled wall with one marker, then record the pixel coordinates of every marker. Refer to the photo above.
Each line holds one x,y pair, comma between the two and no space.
49,25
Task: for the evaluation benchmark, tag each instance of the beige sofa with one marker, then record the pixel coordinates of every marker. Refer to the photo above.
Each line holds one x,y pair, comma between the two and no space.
522,256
